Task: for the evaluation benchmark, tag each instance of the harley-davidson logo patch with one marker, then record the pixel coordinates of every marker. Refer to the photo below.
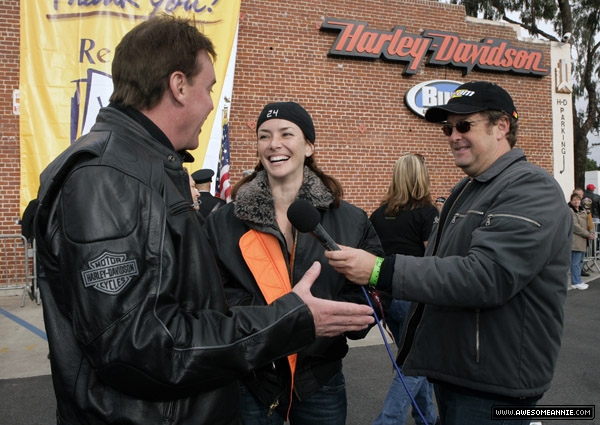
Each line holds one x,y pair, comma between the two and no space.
110,273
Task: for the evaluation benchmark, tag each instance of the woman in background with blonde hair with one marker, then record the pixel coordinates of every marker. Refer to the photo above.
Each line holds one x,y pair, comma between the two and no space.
403,222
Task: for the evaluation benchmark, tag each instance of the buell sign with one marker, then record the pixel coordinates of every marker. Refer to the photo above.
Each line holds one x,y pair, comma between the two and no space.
355,39
428,94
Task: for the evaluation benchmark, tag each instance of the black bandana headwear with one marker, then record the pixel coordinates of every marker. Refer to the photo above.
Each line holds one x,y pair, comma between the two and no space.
289,111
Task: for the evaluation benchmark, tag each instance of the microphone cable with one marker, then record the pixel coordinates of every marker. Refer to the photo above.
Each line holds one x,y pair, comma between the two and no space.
306,219
389,351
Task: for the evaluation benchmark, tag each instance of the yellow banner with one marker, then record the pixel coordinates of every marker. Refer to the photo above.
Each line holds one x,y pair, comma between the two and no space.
66,55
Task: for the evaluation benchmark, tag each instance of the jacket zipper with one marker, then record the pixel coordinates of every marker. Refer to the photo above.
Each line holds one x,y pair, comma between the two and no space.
457,215
453,220
417,312
170,411
292,260
477,354
272,407
292,256
488,220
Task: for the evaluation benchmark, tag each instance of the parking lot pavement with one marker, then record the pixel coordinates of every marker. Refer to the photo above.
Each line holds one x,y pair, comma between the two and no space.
23,344
27,396
576,380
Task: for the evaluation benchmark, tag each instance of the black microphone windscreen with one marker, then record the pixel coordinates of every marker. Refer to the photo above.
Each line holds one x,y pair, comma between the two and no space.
303,216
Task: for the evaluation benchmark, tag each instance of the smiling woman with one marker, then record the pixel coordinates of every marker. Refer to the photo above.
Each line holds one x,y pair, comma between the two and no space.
260,252
286,137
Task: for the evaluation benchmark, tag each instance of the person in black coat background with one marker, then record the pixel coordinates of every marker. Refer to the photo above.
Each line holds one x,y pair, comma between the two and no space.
208,202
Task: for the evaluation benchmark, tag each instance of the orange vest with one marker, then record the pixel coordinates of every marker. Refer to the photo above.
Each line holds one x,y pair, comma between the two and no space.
264,258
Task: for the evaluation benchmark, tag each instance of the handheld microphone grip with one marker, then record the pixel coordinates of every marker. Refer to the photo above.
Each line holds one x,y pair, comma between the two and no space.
306,219
324,238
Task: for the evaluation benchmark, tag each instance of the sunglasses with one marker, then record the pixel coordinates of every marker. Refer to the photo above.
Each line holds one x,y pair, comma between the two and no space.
461,126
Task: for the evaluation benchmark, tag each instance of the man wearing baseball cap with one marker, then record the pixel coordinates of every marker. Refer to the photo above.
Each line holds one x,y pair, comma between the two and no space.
590,193
488,296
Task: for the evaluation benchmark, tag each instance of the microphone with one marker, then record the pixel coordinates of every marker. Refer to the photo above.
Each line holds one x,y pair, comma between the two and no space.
306,219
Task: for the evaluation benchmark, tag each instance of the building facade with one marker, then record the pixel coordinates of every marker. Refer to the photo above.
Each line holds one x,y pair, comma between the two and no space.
364,70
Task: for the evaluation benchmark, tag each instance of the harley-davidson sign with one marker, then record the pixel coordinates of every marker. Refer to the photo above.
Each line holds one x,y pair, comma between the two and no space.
444,48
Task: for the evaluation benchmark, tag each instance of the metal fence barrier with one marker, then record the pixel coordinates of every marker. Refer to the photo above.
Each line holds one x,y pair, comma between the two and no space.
18,266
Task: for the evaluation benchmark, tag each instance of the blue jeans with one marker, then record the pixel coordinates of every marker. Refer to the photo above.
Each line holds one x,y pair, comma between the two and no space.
395,318
396,405
397,402
457,408
577,258
328,406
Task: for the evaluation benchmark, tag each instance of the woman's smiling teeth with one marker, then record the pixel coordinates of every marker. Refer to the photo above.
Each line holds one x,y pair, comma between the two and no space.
279,158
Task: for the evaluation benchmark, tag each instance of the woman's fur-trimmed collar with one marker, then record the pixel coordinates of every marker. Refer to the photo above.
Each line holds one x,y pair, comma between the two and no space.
254,201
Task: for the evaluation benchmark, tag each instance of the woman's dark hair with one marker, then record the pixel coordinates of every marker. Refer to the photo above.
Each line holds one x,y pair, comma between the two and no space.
331,183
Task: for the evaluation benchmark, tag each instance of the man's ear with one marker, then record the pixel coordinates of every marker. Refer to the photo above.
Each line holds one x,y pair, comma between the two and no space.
503,124
178,86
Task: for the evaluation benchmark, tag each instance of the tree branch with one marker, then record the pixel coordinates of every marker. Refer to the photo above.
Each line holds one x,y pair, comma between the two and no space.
533,29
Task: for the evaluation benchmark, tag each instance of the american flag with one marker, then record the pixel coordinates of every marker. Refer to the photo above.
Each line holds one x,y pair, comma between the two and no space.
222,184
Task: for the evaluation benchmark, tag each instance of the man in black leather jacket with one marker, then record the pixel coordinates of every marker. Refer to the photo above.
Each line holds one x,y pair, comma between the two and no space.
138,327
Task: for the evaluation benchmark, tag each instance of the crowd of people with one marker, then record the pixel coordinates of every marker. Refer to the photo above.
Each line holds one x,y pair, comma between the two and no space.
158,312
584,233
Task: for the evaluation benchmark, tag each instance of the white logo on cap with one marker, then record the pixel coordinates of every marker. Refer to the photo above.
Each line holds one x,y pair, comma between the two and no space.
461,93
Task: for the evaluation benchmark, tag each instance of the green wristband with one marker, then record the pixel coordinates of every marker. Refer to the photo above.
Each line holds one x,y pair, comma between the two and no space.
375,273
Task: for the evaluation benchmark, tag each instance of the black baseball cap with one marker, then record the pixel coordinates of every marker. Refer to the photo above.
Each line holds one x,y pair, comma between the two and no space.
476,96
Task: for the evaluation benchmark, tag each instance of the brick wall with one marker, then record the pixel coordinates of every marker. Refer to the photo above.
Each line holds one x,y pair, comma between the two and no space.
362,123
9,123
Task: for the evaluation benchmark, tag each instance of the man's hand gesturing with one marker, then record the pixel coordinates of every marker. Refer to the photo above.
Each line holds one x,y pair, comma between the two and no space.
332,318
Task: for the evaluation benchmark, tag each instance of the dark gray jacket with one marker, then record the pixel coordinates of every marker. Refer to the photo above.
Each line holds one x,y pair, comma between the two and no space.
493,283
